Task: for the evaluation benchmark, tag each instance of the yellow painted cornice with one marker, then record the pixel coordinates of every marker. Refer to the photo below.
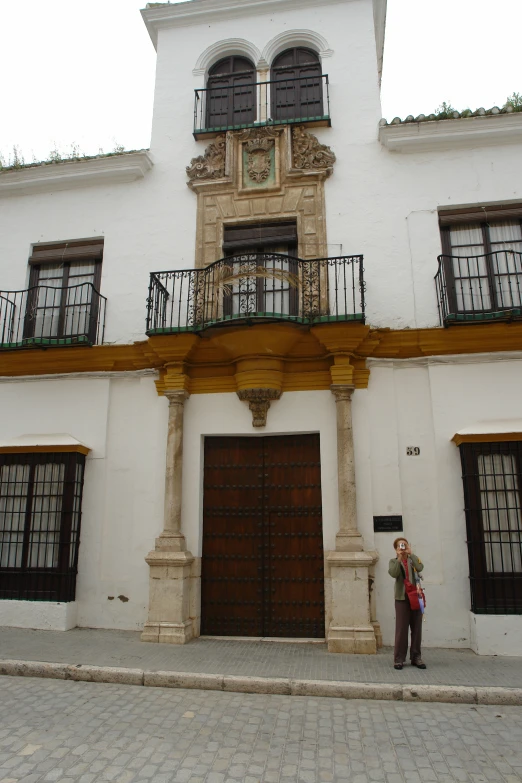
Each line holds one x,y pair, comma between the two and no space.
78,448
488,437
281,356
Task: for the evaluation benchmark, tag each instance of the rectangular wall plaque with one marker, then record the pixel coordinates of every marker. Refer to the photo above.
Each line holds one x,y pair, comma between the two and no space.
391,524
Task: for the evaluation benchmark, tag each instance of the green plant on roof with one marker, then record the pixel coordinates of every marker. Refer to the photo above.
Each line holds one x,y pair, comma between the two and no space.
444,111
515,101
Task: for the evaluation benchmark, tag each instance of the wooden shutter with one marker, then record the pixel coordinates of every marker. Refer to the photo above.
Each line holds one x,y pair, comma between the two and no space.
245,237
77,250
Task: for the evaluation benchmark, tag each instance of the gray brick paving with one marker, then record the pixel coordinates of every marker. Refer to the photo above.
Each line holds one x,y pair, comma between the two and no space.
258,659
77,732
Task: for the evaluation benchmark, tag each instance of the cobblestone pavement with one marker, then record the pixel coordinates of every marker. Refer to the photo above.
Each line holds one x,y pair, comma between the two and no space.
79,732
256,659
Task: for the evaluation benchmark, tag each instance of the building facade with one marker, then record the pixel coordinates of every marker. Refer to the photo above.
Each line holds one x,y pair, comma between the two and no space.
220,403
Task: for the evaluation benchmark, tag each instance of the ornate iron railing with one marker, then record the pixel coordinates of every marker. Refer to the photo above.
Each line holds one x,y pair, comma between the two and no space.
304,99
479,288
254,287
43,316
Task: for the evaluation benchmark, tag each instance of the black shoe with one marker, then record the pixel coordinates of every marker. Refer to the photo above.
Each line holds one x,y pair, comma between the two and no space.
419,664
398,666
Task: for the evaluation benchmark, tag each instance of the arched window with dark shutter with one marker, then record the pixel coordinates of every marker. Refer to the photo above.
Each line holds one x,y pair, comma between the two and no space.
297,88
231,93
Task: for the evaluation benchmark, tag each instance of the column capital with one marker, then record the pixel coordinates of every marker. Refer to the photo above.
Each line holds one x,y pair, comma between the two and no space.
176,396
342,392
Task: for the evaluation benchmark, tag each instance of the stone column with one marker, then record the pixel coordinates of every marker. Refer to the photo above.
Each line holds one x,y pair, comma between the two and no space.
351,629
348,539
170,564
171,537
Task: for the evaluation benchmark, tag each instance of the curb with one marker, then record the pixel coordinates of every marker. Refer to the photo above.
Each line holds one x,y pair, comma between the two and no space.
449,694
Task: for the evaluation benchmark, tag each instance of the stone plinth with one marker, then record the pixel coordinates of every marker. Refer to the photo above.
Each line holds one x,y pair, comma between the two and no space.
169,598
351,629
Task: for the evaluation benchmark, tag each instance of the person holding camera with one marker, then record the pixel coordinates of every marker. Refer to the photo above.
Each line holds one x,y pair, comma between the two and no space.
404,568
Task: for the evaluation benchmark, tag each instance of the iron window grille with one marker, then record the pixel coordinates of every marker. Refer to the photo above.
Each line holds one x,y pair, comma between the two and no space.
480,271
63,305
40,519
251,287
492,476
284,100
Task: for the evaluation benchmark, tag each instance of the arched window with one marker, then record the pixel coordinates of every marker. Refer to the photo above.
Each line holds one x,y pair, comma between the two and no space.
231,93
297,89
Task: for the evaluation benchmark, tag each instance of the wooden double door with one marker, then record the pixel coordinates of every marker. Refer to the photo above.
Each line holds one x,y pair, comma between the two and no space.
263,560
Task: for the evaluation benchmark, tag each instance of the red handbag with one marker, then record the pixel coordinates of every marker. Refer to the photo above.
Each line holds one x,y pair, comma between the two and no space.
411,592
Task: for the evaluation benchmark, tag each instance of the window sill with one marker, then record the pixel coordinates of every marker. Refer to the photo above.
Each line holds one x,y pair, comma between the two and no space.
313,122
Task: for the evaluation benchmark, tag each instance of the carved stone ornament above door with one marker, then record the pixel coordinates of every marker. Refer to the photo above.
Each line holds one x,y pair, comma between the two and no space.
259,402
261,174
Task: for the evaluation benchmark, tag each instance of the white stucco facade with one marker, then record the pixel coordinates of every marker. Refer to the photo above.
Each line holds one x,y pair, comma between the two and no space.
382,201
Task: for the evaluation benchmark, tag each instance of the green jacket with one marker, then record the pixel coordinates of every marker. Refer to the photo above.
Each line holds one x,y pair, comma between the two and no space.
395,570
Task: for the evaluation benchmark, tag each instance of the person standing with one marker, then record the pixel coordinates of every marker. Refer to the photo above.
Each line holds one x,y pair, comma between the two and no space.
402,568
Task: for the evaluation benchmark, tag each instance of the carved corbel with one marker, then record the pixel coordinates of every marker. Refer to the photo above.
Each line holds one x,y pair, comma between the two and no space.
211,165
308,154
259,402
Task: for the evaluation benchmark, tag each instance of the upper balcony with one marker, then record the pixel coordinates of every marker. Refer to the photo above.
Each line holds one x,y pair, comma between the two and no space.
45,316
282,101
475,288
256,287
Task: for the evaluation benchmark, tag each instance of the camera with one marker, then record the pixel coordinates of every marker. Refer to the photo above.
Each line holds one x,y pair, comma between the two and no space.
402,545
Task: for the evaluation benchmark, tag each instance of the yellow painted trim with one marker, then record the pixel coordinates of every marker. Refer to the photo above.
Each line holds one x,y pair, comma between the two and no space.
489,437
284,356
44,449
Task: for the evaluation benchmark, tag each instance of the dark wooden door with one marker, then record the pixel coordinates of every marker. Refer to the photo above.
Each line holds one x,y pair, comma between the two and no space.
297,86
262,569
231,93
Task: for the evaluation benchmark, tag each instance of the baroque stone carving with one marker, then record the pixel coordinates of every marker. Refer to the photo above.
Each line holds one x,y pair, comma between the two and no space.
211,165
308,153
258,151
259,403
259,133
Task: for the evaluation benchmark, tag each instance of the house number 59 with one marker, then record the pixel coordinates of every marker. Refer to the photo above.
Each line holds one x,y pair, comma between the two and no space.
412,451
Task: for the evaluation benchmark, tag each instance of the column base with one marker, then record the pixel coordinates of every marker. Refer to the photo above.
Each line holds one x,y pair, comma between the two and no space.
358,640
168,633
349,542
169,620
351,629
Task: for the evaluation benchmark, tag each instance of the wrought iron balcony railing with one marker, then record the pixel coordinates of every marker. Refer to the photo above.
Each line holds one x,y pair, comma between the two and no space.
303,99
44,316
256,287
479,288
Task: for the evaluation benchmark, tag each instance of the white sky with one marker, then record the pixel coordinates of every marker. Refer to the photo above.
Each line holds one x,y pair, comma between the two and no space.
83,73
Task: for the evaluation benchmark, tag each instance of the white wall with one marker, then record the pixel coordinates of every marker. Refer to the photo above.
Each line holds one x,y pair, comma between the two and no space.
379,203
424,403
124,422
39,615
496,634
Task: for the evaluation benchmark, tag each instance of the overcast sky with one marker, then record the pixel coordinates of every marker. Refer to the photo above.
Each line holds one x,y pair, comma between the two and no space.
83,74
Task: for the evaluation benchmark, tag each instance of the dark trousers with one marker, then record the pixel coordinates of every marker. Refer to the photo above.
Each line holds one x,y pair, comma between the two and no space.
405,618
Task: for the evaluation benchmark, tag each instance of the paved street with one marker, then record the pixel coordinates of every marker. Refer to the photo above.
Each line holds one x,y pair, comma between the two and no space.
84,732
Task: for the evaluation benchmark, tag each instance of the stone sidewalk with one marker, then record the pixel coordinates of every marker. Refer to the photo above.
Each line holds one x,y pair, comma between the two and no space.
258,666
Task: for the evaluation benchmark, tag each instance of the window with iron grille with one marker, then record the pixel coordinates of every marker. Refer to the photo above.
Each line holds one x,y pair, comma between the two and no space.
492,474
263,265
63,300
482,259
40,516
